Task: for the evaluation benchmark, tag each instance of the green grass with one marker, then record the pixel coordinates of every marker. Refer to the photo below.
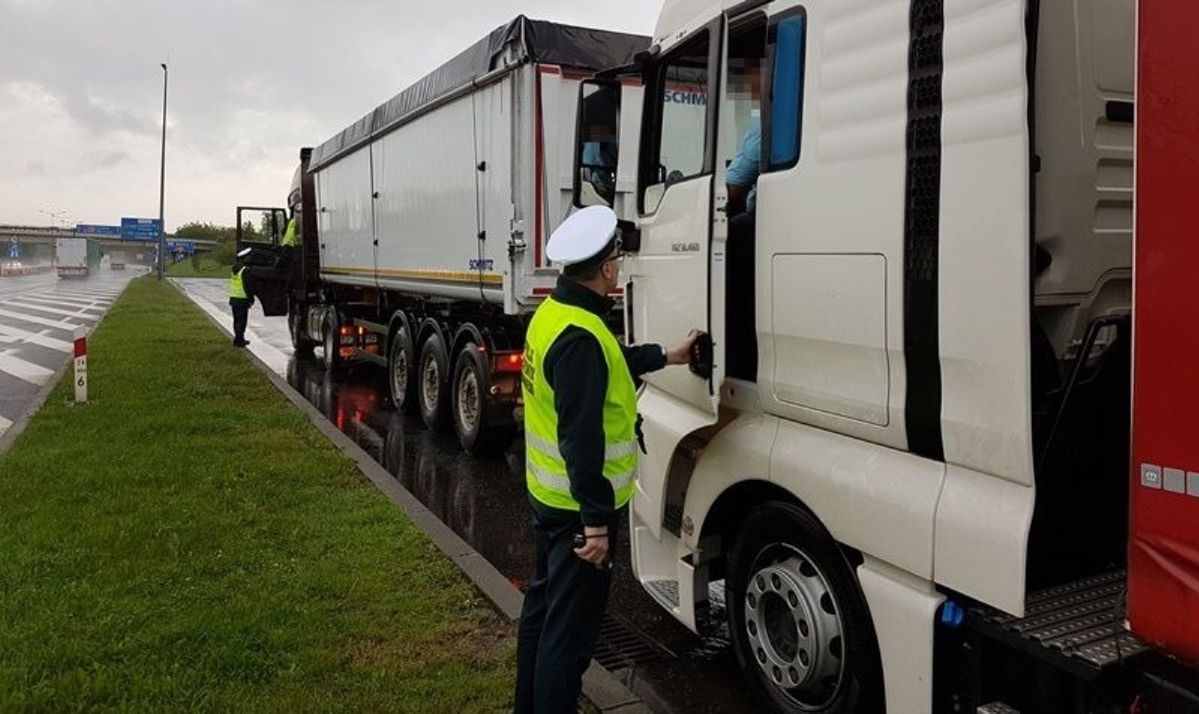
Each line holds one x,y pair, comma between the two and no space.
188,540
209,268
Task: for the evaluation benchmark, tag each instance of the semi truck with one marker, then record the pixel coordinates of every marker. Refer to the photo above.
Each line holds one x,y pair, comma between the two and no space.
899,468
422,226
76,257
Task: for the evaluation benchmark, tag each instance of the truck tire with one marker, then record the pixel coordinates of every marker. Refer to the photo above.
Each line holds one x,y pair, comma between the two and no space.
333,360
402,372
799,622
300,342
432,383
471,394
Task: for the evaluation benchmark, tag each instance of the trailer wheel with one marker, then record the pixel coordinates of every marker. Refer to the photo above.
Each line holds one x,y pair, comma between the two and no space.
799,622
300,341
433,383
401,371
333,360
472,387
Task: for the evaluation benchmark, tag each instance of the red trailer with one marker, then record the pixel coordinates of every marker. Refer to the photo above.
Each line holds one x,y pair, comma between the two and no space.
1163,556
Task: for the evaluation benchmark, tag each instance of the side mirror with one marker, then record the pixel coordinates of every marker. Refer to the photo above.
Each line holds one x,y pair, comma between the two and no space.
597,143
630,236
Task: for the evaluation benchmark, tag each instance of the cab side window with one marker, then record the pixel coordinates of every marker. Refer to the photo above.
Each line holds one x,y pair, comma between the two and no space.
787,39
680,121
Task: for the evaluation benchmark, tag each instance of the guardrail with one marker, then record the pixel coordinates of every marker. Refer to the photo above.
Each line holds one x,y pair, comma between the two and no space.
12,271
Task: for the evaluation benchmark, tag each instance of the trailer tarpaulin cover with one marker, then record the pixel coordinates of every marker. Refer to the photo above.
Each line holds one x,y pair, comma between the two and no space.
538,40
1163,557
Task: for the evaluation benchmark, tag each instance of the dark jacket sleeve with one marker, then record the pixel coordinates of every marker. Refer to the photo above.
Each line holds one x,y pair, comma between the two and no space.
575,368
643,359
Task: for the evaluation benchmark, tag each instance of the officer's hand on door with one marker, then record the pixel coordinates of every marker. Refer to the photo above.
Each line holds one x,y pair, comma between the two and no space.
680,352
595,550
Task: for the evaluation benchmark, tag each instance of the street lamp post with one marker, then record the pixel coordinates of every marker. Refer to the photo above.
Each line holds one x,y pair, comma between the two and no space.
56,217
162,177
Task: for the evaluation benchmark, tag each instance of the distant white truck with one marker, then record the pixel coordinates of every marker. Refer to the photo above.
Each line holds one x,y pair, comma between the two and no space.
116,261
76,257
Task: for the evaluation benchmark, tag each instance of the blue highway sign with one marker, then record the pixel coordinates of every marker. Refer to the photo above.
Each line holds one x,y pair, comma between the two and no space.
85,229
140,228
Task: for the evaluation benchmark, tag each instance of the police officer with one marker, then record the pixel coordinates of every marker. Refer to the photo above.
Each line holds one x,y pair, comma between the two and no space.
240,298
581,457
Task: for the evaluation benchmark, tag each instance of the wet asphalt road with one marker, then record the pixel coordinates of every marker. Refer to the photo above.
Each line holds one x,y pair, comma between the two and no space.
483,500
38,317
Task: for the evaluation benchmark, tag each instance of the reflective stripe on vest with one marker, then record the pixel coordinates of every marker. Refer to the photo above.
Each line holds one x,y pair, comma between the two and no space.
289,235
611,451
237,288
545,470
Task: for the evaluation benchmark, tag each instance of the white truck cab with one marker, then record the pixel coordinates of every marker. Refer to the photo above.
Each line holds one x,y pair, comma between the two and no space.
913,399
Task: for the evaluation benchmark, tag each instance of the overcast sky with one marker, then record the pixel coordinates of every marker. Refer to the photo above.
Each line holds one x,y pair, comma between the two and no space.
251,81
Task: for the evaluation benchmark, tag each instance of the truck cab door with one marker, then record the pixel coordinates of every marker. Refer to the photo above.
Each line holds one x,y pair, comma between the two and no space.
677,256
261,230
674,265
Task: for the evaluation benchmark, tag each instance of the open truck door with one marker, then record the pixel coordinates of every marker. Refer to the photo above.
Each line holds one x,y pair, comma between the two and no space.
678,257
673,252
270,263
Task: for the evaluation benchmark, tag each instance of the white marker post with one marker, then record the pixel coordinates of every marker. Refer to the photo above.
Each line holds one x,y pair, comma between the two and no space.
80,365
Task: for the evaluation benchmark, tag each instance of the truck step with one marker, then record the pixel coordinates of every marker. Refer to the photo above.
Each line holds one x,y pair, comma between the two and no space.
1081,621
666,592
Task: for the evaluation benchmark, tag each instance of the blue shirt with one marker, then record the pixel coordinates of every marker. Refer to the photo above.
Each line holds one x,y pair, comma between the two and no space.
746,164
597,154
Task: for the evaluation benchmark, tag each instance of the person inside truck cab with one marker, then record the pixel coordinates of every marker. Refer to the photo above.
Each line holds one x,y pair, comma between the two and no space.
741,175
741,178
597,164
289,233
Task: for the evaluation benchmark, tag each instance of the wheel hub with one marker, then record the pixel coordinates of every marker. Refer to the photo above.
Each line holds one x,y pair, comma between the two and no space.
468,400
432,384
794,629
399,375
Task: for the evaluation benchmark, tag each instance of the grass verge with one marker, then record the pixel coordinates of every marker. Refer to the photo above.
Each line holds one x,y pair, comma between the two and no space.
208,268
189,540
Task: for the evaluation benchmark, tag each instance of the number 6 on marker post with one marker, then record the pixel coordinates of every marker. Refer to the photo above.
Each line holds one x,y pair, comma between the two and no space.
80,365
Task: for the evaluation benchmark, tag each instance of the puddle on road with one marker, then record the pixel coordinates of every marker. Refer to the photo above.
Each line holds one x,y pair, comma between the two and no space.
483,501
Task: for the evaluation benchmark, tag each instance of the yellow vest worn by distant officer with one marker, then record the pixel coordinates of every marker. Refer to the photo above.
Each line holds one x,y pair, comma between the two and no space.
289,234
545,470
237,288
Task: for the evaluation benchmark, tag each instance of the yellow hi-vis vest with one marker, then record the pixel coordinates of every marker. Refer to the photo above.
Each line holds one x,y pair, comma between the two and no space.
545,469
237,288
289,234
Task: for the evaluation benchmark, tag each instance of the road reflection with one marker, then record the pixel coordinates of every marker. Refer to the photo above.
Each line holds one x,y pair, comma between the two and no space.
484,502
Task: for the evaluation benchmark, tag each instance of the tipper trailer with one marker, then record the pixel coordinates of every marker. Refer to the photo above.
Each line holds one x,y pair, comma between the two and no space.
904,464
422,227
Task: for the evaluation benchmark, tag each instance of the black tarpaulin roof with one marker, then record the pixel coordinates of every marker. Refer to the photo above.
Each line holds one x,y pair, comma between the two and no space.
541,41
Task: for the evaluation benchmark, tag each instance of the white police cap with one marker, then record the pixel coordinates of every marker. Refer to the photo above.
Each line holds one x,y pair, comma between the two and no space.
582,236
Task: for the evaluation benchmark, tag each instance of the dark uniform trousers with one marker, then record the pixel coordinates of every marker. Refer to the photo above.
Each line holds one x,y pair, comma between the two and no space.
561,618
241,316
